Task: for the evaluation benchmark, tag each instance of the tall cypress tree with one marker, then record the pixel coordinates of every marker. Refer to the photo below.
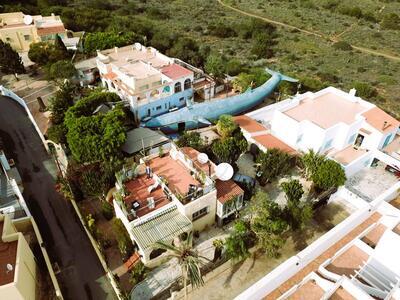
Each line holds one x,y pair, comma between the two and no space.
10,61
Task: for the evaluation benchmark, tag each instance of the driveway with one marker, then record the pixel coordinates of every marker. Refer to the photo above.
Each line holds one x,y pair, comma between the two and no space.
81,275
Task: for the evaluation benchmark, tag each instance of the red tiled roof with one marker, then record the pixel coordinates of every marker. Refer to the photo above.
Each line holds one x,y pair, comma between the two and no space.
248,124
175,71
138,192
376,117
269,142
8,255
192,154
51,30
110,75
226,190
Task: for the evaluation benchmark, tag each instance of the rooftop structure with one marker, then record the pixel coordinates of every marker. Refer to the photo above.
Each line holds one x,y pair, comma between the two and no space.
340,125
355,260
20,277
21,30
170,194
152,82
11,200
145,141
326,110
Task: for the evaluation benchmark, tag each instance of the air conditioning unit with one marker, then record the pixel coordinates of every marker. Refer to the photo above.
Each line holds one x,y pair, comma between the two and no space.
150,202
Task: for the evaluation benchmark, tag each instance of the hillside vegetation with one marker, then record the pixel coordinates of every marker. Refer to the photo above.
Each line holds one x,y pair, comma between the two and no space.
195,30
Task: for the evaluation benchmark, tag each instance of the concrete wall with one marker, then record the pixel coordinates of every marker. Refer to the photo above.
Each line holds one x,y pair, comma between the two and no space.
209,200
24,285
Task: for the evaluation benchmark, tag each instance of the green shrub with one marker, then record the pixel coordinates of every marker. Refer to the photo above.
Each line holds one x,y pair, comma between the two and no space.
342,45
391,21
365,90
107,210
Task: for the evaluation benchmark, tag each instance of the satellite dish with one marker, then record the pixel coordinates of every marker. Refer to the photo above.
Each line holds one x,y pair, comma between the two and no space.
9,268
28,19
224,171
202,158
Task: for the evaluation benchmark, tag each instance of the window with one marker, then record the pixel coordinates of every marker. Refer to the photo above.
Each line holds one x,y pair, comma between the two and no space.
387,140
182,99
299,138
178,87
200,213
27,37
165,105
8,39
158,107
328,144
352,139
187,84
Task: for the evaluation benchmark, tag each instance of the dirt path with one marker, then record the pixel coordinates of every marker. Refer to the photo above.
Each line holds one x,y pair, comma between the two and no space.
309,32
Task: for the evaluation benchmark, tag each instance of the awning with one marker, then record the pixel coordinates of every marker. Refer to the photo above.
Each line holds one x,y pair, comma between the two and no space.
138,138
163,227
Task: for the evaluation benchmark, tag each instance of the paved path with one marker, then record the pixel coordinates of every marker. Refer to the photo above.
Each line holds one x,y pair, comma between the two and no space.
81,274
309,32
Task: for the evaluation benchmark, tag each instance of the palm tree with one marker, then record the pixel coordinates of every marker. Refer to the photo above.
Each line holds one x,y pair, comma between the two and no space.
189,260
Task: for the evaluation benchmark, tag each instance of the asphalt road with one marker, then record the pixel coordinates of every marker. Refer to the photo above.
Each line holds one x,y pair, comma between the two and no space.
81,274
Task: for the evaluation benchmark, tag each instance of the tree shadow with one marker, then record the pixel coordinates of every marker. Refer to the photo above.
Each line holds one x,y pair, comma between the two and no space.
234,269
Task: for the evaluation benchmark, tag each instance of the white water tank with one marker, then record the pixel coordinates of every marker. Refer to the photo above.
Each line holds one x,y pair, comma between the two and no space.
224,171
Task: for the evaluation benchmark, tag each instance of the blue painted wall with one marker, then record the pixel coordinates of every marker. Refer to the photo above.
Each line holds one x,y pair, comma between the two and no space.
163,105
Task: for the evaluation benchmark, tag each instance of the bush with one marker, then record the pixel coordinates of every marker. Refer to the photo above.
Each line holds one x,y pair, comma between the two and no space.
60,70
107,210
233,67
341,45
138,273
391,21
106,40
365,90
125,245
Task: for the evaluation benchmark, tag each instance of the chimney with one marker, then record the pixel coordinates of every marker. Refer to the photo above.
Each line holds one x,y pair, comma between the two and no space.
353,92
385,125
116,49
98,52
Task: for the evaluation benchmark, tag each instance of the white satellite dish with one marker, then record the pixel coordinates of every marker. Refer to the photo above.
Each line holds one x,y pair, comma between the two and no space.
9,268
224,171
28,19
202,158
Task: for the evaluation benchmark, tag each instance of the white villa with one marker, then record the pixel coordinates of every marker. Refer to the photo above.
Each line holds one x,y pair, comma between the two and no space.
150,81
178,196
341,125
358,258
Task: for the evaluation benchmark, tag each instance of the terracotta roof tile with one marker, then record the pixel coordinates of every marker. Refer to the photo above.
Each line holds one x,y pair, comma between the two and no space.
226,190
51,30
248,124
175,71
376,117
269,141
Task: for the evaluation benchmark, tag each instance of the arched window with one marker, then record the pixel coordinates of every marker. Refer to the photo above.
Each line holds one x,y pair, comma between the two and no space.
188,84
156,253
112,85
178,87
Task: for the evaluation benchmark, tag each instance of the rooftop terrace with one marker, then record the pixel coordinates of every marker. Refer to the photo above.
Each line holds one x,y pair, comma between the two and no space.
139,195
330,252
177,175
326,110
8,255
348,155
